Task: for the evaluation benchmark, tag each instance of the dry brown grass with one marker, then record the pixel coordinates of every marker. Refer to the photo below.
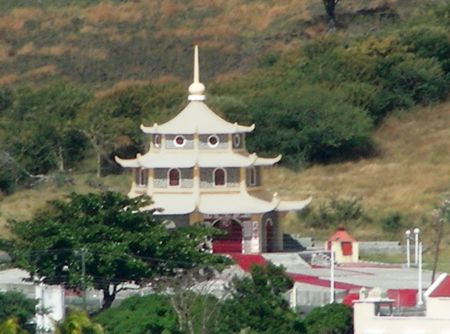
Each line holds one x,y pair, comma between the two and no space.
47,70
5,52
410,175
9,79
105,12
120,87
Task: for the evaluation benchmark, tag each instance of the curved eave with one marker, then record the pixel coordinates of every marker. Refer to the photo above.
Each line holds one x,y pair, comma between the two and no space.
127,163
218,204
233,128
172,204
267,161
293,205
196,117
202,159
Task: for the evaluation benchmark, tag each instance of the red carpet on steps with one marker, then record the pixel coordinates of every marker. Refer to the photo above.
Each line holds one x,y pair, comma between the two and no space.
247,260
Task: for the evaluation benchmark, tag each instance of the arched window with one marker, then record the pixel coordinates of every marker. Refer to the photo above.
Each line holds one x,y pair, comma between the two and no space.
142,177
174,177
157,140
252,180
219,177
236,141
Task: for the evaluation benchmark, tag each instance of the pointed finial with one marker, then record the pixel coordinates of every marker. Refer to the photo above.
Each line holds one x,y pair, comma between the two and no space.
196,89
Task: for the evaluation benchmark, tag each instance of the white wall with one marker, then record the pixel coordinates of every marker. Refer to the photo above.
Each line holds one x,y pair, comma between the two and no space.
366,322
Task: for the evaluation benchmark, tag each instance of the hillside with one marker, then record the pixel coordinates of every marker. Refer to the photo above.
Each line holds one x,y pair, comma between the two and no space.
98,43
409,175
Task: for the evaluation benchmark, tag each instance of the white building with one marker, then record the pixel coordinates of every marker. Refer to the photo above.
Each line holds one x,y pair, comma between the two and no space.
373,313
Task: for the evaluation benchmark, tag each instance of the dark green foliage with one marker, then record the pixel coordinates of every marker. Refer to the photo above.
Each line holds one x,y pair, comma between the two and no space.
121,243
45,117
138,315
392,222
14,304
257,304
6,98
330,319
429,42
335,212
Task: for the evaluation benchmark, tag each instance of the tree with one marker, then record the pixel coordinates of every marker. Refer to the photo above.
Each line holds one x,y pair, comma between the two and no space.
441,216
102,126
45,117
136,315
330,9
15,308
78,322
257,305
330,319
118,241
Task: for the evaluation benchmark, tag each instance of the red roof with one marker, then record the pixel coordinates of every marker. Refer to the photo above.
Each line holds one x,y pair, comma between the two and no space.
442,289
341,235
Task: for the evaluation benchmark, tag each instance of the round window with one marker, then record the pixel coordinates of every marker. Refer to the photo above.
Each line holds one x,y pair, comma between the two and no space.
213,141
179,141
237,140
157,140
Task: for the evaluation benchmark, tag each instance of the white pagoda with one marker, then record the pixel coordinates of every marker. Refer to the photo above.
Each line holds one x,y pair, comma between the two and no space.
197,169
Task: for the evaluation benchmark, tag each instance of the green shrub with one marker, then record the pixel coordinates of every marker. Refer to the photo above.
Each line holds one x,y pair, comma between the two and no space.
330,319
335,212
429,42
137,315
15,304
392,222
417,80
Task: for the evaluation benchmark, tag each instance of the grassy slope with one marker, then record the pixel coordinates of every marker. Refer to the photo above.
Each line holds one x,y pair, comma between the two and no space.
107,42
409,175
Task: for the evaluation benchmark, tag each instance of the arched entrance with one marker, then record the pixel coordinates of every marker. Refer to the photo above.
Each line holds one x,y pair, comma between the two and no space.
231,242
269,235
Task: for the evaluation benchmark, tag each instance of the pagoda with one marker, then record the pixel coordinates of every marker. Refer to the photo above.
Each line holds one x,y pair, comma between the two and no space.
197,169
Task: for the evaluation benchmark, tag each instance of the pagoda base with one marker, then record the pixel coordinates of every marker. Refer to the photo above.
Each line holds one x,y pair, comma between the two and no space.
245,234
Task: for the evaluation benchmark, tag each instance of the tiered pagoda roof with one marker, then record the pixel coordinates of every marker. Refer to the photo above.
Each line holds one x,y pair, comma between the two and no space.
197,119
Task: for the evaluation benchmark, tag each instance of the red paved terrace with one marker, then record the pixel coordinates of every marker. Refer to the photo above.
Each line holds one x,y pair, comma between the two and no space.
403,297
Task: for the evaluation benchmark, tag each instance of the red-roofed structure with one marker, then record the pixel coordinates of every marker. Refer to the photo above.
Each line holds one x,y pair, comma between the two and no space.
344,246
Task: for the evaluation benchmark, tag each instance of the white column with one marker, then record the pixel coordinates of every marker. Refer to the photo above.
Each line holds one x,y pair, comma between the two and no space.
416,245
419,285
294,297
332,277
408,248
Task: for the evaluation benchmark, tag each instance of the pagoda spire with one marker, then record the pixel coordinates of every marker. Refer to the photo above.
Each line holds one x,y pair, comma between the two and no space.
196,89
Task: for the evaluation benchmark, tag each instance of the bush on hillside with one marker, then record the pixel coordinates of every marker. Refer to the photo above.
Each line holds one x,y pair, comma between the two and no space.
392,222
308,124
337,211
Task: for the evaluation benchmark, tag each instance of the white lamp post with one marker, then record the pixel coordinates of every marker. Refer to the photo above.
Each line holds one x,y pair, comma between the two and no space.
408,254
416,245
332,278
419,287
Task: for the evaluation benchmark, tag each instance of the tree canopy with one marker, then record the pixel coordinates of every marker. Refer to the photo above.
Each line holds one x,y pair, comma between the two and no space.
119,241
257,304
16,309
